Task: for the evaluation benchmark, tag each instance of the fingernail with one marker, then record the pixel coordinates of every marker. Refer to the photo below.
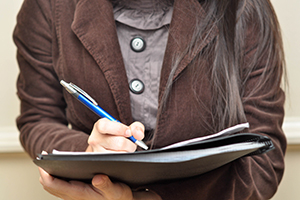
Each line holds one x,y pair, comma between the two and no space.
128,133
97,180
139,132
44,153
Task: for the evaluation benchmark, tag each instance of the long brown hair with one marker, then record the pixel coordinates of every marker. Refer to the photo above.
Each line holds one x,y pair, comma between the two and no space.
236,20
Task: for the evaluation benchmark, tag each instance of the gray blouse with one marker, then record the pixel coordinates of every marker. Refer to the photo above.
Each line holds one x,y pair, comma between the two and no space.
143,36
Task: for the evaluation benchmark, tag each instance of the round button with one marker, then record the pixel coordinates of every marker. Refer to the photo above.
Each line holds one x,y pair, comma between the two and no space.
136,86
138,44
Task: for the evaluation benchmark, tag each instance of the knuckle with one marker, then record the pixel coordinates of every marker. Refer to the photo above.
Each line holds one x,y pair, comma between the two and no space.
101,125
91,141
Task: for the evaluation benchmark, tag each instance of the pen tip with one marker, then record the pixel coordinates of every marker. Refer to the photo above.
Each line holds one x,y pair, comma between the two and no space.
142,145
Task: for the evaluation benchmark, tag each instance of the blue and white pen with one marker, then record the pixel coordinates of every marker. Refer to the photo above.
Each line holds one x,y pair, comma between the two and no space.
89,102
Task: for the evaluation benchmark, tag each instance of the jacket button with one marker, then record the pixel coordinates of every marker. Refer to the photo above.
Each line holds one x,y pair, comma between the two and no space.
138,44
136,86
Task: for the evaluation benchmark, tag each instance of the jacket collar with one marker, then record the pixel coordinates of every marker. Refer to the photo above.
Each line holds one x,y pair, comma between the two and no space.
95,27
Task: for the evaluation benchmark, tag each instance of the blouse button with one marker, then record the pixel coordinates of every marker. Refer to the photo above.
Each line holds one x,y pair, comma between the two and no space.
136,86
138,44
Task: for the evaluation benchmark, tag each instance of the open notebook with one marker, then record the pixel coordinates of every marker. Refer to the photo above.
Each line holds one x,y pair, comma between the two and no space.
181,160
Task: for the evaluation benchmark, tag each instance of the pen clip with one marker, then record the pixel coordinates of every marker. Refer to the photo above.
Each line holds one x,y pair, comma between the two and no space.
78,89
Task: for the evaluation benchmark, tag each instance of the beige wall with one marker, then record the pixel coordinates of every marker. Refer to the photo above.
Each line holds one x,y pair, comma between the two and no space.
8,68
289,15
289,188
19,176
19,179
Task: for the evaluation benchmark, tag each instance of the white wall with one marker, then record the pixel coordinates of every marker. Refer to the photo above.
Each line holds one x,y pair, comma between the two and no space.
19,179
289,15
19,176
8,67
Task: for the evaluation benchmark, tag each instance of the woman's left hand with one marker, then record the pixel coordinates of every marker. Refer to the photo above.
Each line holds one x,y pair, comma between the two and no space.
101,188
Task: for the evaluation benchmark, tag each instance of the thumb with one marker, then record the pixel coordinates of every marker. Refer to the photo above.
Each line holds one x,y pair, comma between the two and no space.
101,182
111,190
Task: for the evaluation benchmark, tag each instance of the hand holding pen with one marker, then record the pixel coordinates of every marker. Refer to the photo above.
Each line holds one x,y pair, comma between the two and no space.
89,102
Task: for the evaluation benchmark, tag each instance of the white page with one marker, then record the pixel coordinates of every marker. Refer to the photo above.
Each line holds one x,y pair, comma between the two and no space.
179,156
56,152
228,131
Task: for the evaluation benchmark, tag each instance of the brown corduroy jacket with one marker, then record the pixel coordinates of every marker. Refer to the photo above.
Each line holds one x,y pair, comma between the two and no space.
76,40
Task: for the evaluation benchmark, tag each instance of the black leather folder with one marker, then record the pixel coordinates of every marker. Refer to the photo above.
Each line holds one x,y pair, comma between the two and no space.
144,167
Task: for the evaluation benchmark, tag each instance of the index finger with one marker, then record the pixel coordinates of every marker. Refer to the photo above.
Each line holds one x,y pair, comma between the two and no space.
105,126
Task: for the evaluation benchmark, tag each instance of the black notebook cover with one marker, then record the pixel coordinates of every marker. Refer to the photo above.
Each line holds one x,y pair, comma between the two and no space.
151,166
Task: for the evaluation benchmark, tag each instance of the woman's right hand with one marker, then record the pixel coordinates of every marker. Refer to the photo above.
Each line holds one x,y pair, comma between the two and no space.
109,136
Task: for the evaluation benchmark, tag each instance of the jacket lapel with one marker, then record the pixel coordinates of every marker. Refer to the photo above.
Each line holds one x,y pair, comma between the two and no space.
180,36
95,27
95,17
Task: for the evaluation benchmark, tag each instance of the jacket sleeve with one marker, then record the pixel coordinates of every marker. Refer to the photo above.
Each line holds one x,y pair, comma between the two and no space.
42,121
253,177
